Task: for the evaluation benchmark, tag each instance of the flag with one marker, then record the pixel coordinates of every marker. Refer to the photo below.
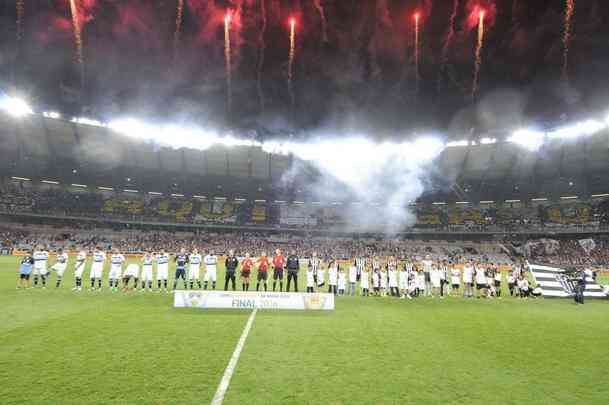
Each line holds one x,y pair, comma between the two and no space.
556,283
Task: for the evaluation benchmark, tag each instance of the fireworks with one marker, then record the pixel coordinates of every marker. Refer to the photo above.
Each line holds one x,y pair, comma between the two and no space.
176,36
78,39
322,15
20,11
416,50
566,39
447,41
291,58
478,53
262,47
227,60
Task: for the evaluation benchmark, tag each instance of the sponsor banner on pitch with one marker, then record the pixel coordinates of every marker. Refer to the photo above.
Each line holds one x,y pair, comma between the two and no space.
253,299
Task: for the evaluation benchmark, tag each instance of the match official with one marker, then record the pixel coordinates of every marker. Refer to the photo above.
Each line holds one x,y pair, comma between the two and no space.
231,263
293,265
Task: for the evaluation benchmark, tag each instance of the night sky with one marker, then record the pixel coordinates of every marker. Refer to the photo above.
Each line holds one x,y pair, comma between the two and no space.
361,80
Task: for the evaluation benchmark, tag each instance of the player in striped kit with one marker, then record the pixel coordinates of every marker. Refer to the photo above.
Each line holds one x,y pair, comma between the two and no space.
193,268
403,277
97,268
211,263
41,257
61,263
360,263
392,274
162,270
116,269
79,268
146,276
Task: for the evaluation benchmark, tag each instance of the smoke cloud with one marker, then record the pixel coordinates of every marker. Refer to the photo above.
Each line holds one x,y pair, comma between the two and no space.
374,182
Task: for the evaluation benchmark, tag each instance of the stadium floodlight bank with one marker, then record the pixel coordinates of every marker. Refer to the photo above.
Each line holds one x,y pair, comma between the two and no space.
253,300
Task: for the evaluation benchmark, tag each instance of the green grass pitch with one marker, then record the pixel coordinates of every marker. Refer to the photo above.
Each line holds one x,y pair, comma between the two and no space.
61,347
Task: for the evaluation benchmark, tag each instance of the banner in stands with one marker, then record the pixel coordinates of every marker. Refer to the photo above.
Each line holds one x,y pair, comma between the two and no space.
556,283
252,299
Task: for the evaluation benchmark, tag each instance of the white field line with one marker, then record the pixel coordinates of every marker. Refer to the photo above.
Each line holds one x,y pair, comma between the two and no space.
230,368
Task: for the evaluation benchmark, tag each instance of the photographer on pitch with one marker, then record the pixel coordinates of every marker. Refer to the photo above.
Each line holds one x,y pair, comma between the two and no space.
580,286
292,265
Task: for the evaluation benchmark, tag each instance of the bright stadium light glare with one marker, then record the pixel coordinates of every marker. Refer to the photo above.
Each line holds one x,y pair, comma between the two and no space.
88,121
453,144
529,139
427,148
584,128
51,114
15,107
488,141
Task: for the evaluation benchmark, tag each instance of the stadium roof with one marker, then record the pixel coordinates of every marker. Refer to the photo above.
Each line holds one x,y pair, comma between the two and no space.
42,147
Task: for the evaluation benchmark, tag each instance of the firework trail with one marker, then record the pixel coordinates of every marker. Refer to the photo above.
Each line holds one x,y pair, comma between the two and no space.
291,59
566,39
227,60
478,54
176,35
261,50
20,11
450,34
78,39
416,50
322,14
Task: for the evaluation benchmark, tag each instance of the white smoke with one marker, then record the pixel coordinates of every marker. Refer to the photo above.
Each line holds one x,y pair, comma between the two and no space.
379,179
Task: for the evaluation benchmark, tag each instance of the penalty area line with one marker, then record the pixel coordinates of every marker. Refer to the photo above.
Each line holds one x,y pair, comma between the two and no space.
230,368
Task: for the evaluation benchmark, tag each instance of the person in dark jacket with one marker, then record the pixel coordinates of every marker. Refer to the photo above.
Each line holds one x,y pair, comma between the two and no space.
580,286
292,265
231,263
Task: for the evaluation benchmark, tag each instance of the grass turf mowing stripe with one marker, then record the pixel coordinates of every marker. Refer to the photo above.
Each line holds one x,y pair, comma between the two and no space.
230,369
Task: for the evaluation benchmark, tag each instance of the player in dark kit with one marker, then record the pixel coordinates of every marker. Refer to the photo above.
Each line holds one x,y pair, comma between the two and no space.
181,260
231,263
293,265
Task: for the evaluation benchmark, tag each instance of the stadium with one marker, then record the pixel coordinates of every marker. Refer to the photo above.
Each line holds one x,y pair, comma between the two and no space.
264,201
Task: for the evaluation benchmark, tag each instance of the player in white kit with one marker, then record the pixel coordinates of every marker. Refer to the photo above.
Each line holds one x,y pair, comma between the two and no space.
455,279
194,268
211,264
353,272
79,268
147,264
41,257
97,268
162,269
364,281
332,276
383,281
468,280
403,278
342,281
310,279
61,263
116,269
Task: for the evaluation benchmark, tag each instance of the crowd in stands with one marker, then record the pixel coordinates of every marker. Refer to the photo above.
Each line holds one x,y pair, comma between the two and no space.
563,252
18,198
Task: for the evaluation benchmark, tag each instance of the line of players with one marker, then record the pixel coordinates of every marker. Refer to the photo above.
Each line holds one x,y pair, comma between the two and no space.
187,269
404,279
